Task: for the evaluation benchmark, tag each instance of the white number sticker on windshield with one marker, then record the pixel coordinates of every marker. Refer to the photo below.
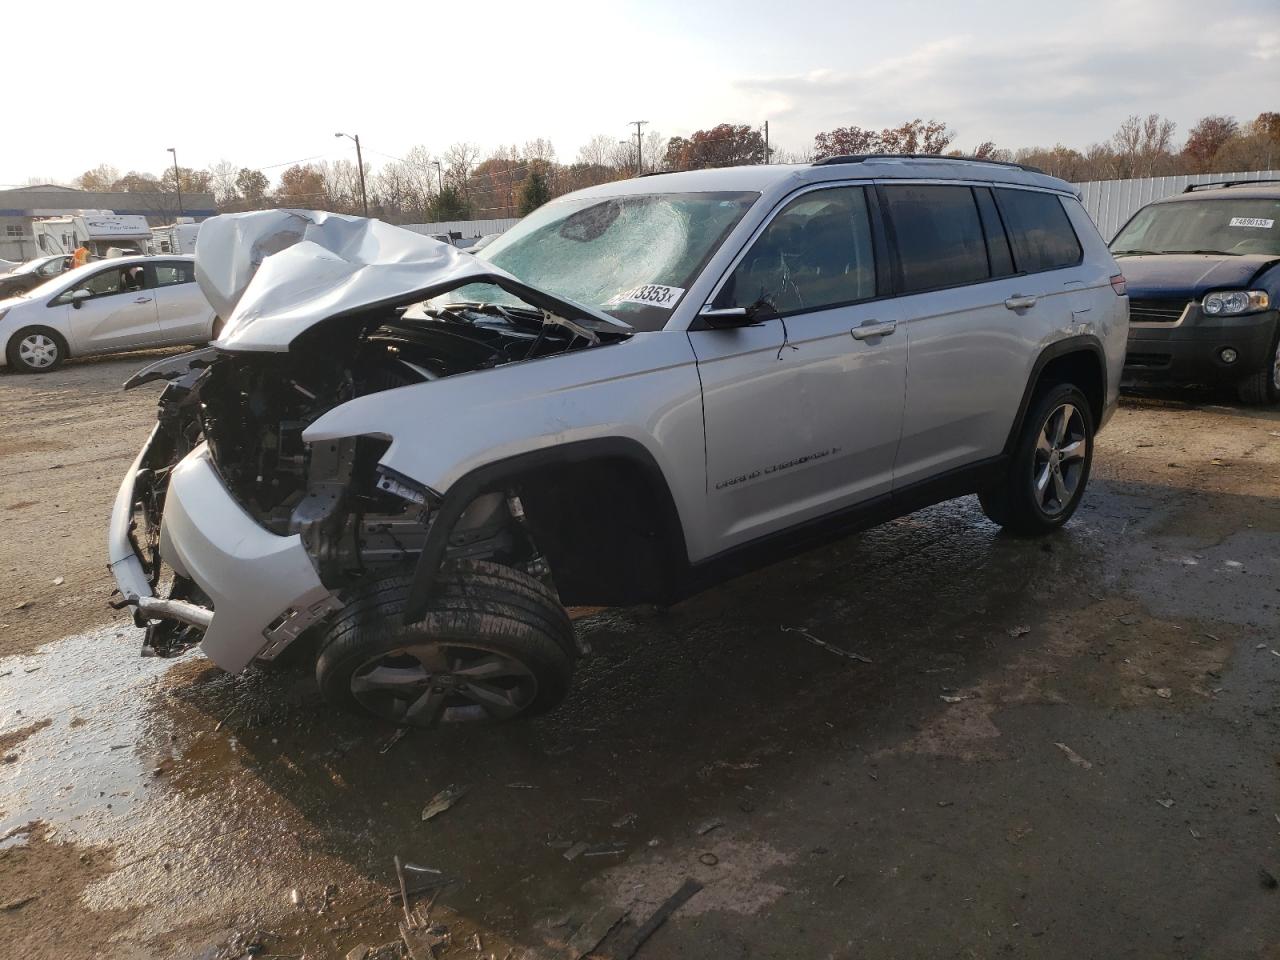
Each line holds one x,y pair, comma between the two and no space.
1252,222
649,294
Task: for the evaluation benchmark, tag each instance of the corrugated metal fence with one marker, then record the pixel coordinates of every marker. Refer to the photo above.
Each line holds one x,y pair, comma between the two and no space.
466,228
1112,202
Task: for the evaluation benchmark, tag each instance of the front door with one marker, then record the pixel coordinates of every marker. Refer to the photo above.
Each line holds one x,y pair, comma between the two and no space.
803,411
119,311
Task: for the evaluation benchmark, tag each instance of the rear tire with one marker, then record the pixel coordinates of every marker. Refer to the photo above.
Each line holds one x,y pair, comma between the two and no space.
1263,386
1049,469
494,644
36,350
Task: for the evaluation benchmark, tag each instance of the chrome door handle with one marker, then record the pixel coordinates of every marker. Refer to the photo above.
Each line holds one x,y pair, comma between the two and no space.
874,328
1019,302
143,300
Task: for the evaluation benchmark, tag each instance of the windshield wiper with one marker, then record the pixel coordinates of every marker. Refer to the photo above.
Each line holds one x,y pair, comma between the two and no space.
1135,253
1216,253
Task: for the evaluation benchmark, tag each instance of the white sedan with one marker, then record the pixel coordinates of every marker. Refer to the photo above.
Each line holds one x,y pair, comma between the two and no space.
126,303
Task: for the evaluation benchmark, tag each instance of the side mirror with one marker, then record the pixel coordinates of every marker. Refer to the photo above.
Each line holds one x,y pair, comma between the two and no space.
730,318
79,296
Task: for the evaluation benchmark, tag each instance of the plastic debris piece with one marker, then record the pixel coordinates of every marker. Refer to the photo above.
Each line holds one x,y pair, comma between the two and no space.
443,800
391,741
957,697
847,654
1164,693
626,820
416,943
656,919
1021,630
295,897
594,929
839,880
1166,803
59,581
708,826
1074,757
576,850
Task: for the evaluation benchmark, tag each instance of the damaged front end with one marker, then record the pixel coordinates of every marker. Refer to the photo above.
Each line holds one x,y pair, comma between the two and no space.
233,532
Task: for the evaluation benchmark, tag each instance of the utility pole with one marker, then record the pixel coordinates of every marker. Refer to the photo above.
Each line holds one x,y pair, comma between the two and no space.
364,199
439,175
177,181
639,146
766,141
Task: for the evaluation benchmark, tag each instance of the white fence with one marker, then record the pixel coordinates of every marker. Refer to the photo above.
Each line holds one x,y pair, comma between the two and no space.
1112,202
465,228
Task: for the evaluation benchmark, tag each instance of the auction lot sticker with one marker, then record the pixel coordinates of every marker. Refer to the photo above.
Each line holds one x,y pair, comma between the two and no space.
649,294
1252,222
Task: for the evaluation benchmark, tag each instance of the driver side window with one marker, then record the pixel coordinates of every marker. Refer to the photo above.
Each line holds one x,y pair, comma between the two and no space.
816,253
107,283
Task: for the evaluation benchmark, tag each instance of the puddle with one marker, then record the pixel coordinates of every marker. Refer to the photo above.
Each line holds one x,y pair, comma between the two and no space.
88,763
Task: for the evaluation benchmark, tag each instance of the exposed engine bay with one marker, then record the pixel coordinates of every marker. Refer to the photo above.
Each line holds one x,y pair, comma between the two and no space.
357,519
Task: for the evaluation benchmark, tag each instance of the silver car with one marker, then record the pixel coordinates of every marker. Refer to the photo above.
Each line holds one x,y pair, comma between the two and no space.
415,458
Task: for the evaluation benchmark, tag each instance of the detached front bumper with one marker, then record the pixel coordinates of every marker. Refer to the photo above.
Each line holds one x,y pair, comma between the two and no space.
263,588
1190,350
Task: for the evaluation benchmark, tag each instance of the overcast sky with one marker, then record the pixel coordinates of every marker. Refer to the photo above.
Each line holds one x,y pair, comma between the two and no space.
262,84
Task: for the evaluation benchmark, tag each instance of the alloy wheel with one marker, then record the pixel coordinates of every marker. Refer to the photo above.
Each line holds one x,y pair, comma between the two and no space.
38,351
423,684
1058,463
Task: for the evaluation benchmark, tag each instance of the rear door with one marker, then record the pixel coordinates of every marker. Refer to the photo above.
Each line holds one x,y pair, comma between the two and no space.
184,314
119,312
803,411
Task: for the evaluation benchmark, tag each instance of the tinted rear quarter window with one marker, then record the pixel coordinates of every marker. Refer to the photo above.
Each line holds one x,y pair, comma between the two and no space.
939,235
993,226
1039,231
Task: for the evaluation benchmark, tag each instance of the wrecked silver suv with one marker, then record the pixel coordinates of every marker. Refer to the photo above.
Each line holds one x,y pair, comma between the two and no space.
417,457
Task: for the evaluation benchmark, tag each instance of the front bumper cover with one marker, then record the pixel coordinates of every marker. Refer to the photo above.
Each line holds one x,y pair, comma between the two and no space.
1189,351
263,588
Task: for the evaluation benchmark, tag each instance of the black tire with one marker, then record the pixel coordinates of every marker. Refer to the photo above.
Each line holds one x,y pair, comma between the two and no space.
1263,386
14,351
481,614
1016,503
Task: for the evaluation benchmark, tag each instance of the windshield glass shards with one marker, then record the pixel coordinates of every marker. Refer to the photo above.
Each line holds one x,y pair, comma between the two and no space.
1227,227
631,256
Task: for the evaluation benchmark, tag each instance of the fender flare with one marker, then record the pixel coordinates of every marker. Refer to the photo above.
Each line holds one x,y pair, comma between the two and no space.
500,472
1086,342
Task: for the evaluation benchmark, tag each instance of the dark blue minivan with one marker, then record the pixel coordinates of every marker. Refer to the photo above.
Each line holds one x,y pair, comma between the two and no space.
1203,273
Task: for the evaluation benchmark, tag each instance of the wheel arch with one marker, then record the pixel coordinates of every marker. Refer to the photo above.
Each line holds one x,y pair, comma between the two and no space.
601,510
1080,360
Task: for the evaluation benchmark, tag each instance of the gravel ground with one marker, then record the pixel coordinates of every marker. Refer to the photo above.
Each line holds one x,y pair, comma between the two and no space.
1060,748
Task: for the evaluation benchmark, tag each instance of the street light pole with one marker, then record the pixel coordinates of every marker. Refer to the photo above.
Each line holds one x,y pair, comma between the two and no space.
364,199
177,180
439,175
639,146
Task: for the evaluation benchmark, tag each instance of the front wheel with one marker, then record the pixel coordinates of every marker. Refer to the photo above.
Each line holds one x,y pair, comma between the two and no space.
1049,468
1263,386
494,644
36,350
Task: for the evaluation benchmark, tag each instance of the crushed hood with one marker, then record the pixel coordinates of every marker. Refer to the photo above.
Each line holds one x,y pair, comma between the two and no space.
273,274
1157,276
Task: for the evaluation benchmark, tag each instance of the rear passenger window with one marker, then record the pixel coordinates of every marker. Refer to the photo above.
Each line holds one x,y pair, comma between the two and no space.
1039,230
168,274
816,253
940,239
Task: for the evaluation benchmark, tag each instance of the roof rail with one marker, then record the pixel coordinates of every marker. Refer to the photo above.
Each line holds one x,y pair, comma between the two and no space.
862,157
1223,184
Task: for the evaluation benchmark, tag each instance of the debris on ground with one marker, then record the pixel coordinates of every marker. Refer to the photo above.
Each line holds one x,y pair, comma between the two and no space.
839,880
704,828
59,581
416,943
392,740
1074,757
1129,619
1194,834
295,897
576,850
443,800
957,697
708,859
1166,803
593,931
606,850
1021,630
1267,879
626,820
673,903
1164,693
19,903
359,952
847,654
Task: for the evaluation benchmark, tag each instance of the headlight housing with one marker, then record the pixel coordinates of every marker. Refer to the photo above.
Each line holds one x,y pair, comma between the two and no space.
1230,303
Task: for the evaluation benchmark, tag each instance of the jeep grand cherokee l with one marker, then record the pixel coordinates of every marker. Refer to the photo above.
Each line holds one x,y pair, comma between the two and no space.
1203,270
417,456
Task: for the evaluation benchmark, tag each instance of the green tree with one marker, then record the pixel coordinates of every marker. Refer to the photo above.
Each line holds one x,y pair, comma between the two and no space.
450,204
535,191
251,185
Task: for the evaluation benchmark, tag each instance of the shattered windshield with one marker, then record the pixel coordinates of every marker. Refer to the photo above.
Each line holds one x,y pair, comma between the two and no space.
1227,226
632,256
